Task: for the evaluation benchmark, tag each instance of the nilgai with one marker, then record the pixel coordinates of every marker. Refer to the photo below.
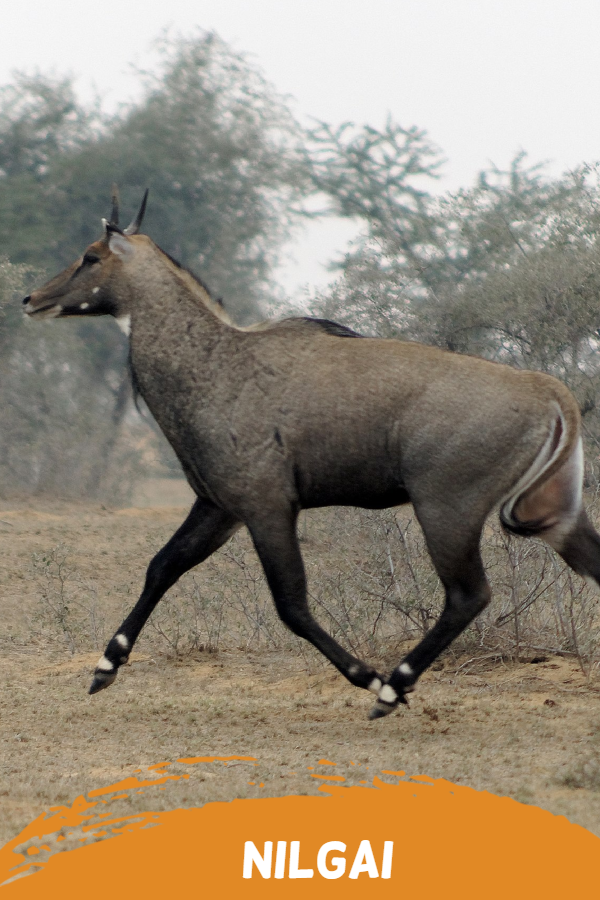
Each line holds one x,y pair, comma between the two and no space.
304,414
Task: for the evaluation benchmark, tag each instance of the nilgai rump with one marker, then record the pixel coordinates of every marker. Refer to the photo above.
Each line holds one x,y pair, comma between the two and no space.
304,413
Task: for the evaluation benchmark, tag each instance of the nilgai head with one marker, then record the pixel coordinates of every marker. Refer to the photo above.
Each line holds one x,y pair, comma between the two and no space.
90,286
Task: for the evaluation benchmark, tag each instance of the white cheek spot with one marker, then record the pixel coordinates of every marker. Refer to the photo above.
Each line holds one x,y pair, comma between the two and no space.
124,323
105,665
388,694
122,641
375,686
405,669
95,290
83,305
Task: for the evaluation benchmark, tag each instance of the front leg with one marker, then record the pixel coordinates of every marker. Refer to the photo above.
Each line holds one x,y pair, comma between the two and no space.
205,530
277,546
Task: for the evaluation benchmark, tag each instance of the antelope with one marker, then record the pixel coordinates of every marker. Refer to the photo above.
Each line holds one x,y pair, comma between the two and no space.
306,414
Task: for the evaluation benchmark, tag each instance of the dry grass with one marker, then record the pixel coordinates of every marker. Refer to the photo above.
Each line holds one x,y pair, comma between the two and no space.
370,580
216,673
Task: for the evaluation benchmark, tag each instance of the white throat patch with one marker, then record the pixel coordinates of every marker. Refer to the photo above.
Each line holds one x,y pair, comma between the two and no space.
124,323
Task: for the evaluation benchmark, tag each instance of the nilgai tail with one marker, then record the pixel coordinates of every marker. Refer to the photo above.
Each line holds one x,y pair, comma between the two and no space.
304,413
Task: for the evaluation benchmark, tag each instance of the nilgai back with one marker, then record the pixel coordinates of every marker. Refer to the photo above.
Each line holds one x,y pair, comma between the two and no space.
305,413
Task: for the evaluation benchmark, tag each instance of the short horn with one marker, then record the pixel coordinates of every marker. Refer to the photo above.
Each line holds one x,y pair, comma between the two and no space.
136,223
114,216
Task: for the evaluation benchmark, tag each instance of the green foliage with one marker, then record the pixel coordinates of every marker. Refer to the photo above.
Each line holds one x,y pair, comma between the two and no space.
220,153
64,396
379,177
371,174
525,287
216,146
39,120
509,269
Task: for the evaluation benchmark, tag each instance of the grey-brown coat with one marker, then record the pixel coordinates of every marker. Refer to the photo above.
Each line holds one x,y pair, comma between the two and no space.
300,414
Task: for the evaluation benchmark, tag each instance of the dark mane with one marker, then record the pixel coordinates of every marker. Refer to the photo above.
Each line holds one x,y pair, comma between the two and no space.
327,325
189,272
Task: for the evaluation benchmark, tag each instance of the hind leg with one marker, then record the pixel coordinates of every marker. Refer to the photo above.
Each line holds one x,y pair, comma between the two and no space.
554,512
457,560
580,548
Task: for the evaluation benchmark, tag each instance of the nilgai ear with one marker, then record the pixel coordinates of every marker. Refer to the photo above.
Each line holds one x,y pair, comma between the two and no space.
118,243
110,228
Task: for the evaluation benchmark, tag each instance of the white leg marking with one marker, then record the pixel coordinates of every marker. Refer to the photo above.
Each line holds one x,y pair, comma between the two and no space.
387,694
375,686
122,641
538,467
105,665
573,473
52,313
124,323
95,290
405,669
83,305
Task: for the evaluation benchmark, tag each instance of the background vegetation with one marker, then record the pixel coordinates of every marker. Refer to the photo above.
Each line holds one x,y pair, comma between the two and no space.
222,157
508,269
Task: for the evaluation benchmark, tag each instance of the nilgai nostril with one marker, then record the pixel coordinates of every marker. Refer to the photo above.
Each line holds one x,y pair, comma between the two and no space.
303,413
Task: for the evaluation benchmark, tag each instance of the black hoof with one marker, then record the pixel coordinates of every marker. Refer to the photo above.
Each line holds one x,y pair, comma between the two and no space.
380,710
384,708
101,680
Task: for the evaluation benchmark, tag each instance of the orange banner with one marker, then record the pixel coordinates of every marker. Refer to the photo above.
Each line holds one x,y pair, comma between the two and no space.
392,837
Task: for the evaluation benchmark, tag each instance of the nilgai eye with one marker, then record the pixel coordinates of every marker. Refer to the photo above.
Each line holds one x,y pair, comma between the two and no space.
90,258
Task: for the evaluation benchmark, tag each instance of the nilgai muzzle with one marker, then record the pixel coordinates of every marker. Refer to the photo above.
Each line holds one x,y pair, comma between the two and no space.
304,414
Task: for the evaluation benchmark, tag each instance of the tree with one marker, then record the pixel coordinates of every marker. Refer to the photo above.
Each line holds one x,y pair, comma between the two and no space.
220,153
380,178
53,438
215,144
40,119
512,272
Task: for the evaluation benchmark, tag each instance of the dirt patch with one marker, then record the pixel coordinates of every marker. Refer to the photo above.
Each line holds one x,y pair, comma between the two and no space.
530,731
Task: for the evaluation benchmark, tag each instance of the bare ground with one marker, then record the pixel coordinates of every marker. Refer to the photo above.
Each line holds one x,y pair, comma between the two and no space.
529,731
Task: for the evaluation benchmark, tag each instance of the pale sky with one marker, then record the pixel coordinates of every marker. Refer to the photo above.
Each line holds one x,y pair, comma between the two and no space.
484,78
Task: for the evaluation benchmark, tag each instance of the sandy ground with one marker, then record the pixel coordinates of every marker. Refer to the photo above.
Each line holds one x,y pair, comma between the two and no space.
529,731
